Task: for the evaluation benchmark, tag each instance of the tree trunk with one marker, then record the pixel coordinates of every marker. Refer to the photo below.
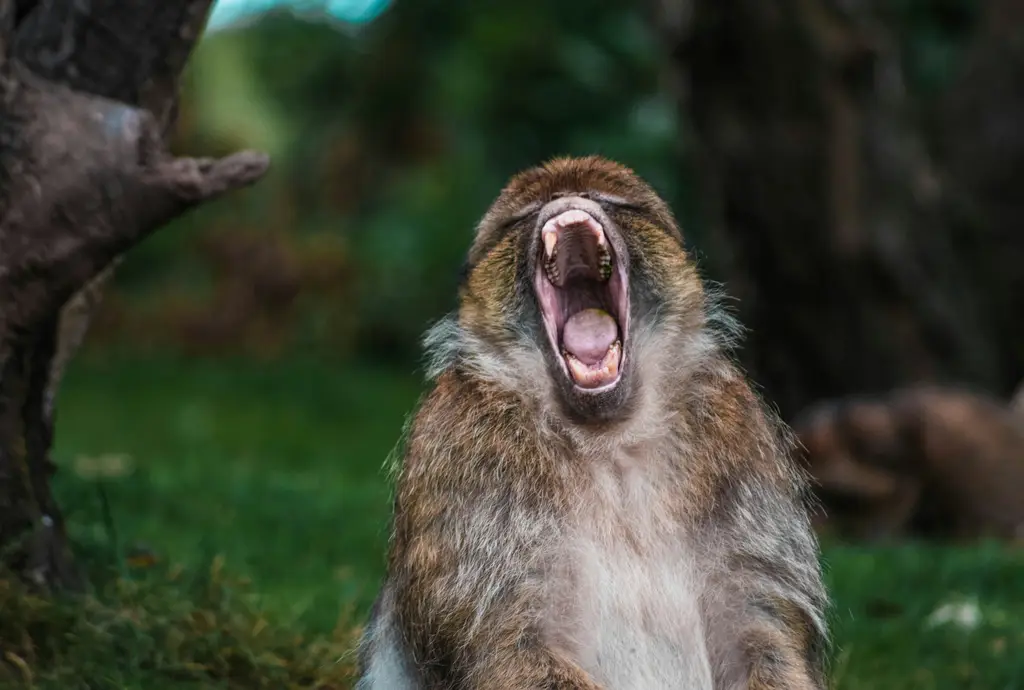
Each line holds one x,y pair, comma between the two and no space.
88,96
982,139
826,214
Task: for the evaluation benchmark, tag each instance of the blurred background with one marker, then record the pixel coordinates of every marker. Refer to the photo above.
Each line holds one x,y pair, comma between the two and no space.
850,170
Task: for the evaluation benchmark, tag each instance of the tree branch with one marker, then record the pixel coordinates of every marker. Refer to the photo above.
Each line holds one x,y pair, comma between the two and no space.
58,233
87,95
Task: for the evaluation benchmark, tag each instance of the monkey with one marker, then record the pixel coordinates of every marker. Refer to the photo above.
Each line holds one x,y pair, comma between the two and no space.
591,495
923,461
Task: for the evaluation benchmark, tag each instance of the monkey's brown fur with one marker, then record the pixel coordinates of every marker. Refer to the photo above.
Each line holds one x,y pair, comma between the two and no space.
923,461
655,538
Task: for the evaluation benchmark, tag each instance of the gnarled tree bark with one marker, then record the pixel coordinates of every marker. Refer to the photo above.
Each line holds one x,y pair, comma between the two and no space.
87,96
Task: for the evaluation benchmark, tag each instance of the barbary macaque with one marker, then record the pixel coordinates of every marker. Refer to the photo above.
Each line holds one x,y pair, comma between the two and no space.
924,461
591,495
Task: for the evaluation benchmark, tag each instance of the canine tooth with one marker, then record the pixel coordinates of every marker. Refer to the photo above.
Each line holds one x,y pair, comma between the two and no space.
550,240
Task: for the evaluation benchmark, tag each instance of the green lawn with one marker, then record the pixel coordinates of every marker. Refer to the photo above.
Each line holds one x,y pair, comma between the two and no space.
277,469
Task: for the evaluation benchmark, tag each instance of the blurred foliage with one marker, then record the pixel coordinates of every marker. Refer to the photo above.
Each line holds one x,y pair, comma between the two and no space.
933,34
390,139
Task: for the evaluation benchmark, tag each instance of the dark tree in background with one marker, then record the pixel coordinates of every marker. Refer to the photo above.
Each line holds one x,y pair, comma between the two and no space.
88,96
870,230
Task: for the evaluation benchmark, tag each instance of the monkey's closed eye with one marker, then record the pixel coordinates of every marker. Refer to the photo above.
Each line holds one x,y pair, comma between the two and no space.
611,202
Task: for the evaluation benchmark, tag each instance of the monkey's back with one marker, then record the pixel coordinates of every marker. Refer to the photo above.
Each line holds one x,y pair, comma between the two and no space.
941,462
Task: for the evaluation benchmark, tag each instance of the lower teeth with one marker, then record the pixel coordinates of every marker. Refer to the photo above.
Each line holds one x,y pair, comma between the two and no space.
588,373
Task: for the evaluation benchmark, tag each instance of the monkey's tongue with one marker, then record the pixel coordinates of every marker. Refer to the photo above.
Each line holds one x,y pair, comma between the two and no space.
589,334
590,343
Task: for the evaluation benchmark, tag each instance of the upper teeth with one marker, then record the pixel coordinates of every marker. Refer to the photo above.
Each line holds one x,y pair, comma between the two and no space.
568,219
550,240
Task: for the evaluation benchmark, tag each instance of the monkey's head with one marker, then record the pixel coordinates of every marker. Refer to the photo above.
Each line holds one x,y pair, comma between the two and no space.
578,275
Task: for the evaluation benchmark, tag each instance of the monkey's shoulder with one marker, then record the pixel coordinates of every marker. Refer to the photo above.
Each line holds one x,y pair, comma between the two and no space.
463,417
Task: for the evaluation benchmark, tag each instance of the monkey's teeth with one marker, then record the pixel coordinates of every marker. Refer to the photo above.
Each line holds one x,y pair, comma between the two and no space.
568,219
551,269
550,240
599,375
606,264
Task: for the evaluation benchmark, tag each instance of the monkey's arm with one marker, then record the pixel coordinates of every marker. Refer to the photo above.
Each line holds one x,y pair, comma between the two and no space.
764,609
474,521
470,608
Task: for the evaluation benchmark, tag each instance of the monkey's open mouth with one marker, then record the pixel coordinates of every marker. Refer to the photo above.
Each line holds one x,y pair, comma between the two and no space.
582,294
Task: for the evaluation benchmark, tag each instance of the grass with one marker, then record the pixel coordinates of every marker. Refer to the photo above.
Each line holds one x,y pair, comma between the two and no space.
256,495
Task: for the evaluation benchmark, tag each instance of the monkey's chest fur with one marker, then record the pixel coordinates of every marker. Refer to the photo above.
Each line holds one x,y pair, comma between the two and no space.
627,606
